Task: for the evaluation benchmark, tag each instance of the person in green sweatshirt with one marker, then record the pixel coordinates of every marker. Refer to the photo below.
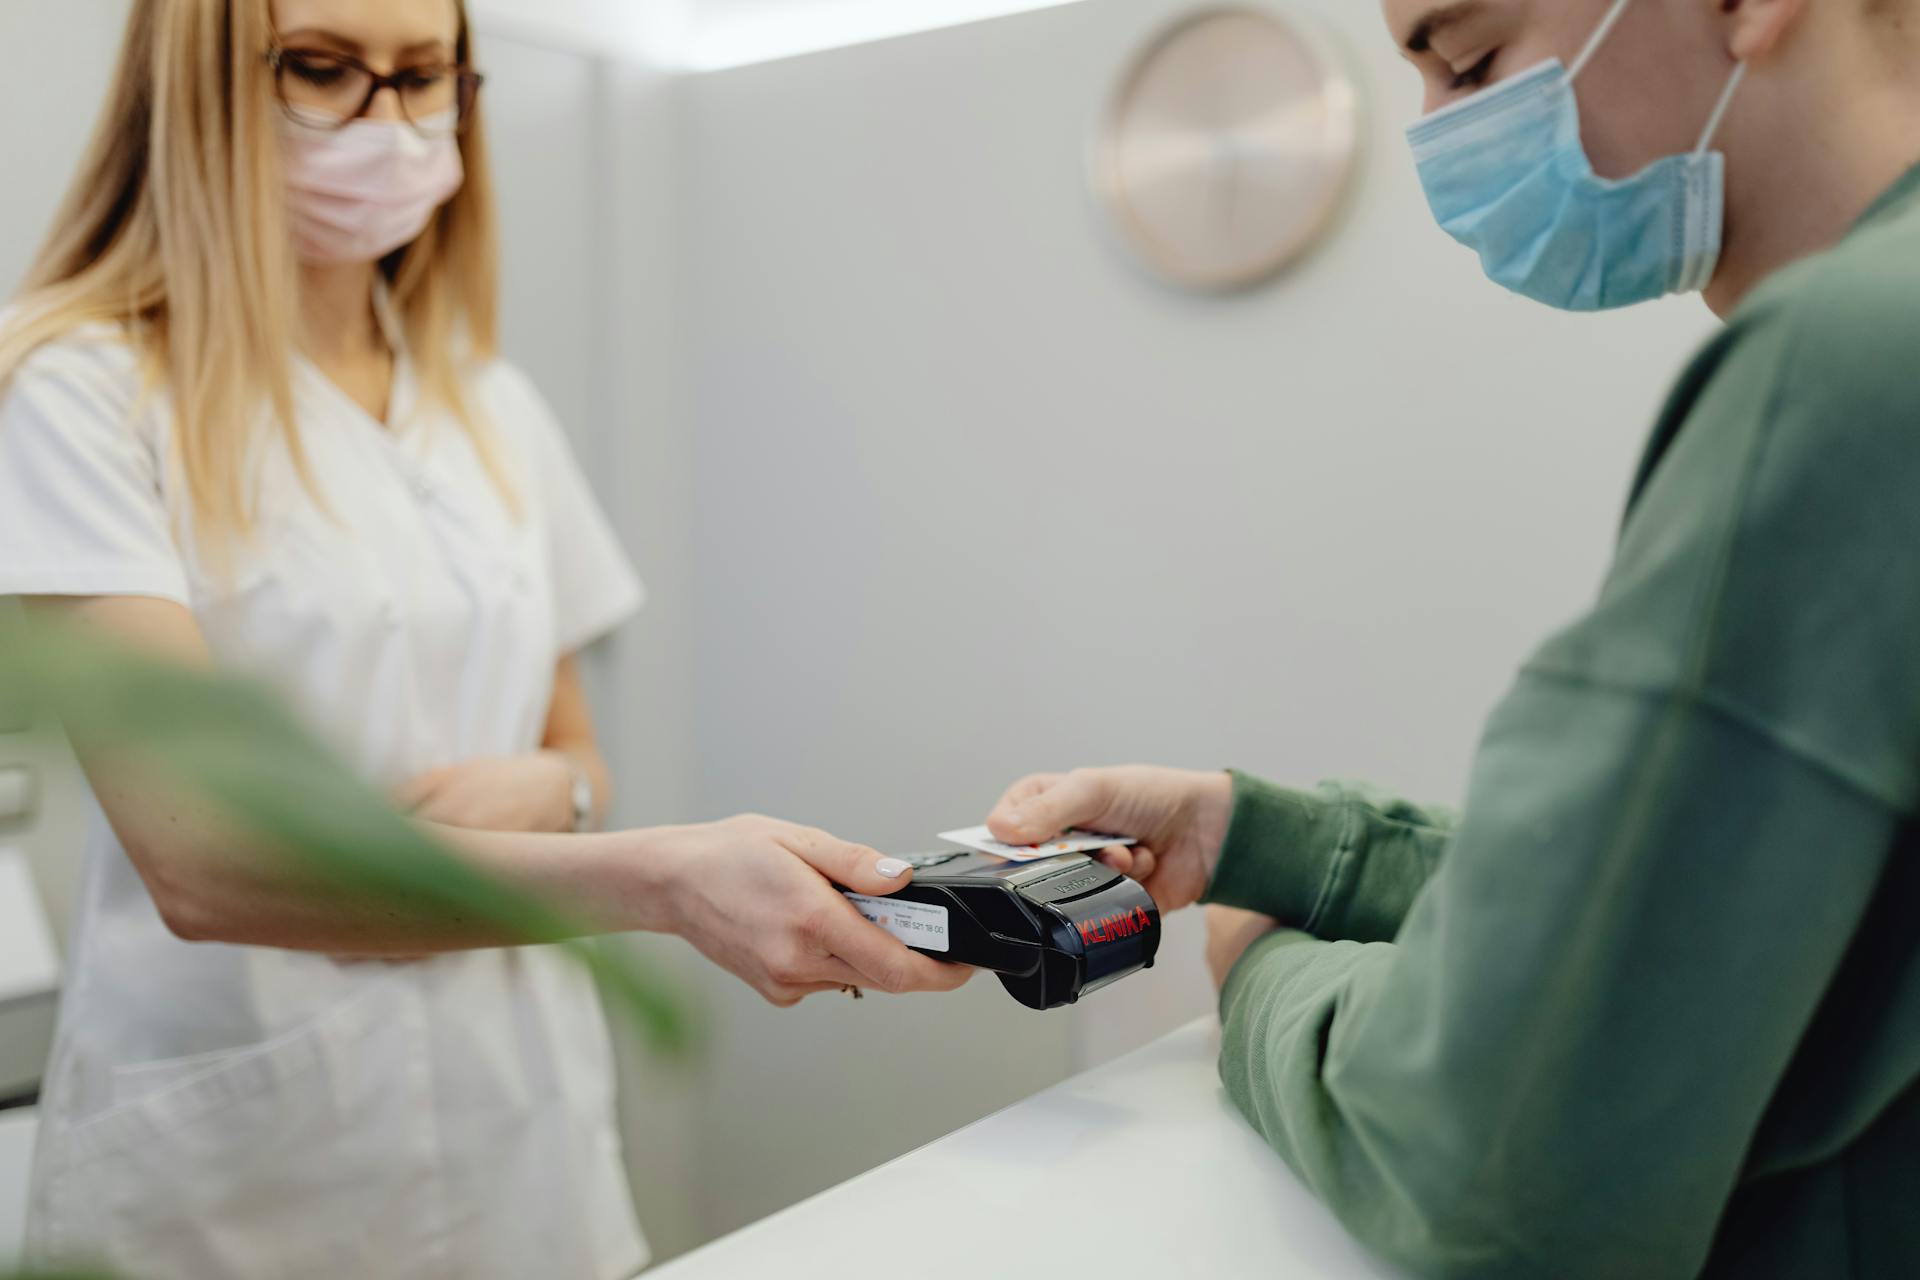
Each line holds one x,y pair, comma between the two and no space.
1649,1004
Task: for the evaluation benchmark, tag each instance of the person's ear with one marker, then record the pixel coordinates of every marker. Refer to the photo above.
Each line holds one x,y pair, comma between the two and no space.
1755,28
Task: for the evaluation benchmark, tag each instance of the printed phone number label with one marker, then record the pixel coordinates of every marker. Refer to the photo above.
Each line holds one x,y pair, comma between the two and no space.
917,924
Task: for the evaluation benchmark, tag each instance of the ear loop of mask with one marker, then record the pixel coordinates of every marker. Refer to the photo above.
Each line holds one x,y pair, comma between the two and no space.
1598,38
1720,108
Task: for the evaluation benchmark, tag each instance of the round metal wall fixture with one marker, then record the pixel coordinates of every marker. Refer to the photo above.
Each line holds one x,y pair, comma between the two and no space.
1228,147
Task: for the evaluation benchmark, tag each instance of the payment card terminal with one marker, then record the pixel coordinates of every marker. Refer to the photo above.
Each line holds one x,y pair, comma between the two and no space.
1053,928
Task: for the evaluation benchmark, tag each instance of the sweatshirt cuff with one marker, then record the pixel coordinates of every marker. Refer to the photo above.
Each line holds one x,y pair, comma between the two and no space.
1247,970
1280,852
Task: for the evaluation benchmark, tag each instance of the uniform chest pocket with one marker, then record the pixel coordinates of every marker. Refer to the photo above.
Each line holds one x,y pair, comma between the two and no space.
309,588
298,571
312,1154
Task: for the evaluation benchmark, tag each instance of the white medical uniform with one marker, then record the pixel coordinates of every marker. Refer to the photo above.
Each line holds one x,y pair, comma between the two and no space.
218,1111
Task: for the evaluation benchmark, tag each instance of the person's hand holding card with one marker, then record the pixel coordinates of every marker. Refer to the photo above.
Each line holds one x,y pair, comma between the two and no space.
1178,817
981,840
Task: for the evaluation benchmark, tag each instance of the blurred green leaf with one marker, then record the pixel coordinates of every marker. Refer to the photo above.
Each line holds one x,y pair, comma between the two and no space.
235,743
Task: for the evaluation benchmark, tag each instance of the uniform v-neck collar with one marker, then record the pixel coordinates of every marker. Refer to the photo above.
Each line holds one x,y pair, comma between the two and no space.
402,394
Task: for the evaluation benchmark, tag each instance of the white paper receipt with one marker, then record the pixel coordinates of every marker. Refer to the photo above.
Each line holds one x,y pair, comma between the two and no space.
918,924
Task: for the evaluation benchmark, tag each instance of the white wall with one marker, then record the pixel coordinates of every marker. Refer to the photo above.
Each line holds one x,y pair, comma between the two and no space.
974,497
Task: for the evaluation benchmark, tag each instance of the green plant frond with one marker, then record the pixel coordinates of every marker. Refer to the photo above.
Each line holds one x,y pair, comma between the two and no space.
232,742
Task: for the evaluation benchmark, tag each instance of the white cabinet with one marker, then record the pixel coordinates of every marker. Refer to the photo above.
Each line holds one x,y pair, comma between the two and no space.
29,978
16,1154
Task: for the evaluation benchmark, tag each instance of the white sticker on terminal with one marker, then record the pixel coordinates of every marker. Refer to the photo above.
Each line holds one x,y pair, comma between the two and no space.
918,924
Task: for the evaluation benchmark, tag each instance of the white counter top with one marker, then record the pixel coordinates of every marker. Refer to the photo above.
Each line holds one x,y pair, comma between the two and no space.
1140,1168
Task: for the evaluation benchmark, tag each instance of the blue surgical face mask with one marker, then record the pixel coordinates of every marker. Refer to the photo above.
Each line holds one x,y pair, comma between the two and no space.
1506,175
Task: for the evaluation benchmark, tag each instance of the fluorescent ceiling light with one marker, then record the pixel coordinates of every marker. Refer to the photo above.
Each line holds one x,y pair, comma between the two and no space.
651,31
776,29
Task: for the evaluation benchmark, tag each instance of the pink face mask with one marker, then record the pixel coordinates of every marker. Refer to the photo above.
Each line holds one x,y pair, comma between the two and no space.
357,194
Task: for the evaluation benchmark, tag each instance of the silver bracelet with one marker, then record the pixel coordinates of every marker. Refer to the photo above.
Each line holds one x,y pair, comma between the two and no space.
582,795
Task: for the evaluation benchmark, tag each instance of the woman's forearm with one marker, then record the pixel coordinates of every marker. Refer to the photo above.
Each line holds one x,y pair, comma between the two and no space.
213,884
755,895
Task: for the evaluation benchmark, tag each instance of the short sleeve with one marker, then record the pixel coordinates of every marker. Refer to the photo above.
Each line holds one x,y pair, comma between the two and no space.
595,587
82,510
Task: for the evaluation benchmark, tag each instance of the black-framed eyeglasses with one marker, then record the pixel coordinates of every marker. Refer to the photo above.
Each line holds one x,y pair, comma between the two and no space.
328,90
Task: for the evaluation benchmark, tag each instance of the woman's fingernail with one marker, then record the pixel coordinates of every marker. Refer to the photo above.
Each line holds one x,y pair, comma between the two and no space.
891,868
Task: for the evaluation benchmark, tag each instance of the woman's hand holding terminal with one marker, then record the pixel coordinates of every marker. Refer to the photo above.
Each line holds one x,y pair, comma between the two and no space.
757,897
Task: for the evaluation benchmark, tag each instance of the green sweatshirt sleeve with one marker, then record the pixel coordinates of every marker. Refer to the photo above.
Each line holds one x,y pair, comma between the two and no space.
1343,861
1558,1063
1557,1067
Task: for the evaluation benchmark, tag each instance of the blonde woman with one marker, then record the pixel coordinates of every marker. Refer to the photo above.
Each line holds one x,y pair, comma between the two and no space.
251,414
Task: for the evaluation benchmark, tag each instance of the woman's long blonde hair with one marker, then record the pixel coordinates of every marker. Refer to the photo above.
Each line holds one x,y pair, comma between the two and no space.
175,229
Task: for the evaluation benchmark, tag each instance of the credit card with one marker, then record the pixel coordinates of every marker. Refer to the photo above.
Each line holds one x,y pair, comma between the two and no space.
1067,842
